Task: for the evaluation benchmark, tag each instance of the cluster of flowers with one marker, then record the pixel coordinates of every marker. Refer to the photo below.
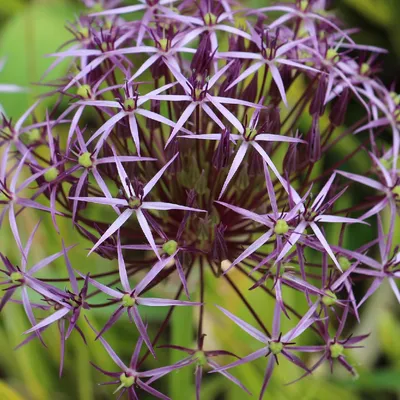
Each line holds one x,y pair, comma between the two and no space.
199,126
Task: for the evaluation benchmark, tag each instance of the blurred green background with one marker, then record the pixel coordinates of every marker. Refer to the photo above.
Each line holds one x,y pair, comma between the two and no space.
28,31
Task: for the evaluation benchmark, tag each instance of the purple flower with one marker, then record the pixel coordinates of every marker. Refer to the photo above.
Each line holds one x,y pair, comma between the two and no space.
129,377
232,160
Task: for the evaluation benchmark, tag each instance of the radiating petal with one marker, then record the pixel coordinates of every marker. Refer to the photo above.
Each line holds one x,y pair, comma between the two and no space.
113,228
246,327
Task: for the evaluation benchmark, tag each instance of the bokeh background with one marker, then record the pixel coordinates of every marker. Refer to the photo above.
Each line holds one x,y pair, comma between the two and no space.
28,31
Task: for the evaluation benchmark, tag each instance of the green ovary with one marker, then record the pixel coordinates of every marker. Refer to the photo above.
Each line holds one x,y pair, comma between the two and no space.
275,347
336,350
210,19
170,247
250,133
127,300
163,43
84,91
126,381
85,160
129,104
332,55
200,357
281,227
51,174
16,276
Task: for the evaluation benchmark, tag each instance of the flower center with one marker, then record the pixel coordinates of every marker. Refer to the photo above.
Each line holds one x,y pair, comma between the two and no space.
250,134
336,350
332,55
85,160
170,247
163,44
210,19
16,277
85,92
129,104
329,299
364,69
281,227
126,381
200,357
51,174
127,300
198,94
134,203
275,347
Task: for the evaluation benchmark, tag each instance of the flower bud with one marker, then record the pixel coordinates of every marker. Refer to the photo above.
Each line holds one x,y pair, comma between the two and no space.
225,265
339,109
314,141
317,105
223,151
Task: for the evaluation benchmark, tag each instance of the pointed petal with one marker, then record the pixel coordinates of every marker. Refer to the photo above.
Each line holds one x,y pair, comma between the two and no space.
154,271
147,231
113,228
325,244
159,205
49,320
251,357
157,176
142,329
109,350
235,165
276,76
246,327
182,120
252,248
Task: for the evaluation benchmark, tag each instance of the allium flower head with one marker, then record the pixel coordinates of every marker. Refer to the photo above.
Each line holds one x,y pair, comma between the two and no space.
205,145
